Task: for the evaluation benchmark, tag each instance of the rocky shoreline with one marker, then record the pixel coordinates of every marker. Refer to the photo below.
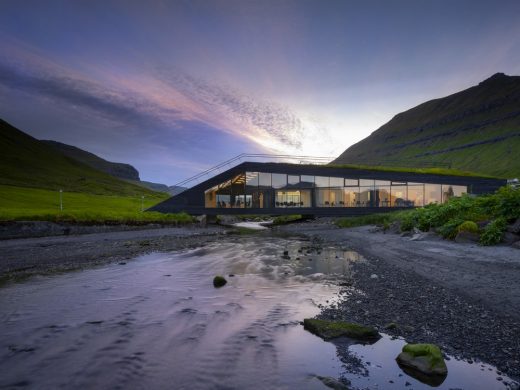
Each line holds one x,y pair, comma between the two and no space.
25,257
462,297
402,302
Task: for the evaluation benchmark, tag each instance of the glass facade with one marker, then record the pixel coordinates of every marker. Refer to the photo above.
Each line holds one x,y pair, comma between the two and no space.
274,190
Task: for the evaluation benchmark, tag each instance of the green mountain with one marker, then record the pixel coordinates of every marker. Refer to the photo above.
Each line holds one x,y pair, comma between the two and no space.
120,170
27,162
475,130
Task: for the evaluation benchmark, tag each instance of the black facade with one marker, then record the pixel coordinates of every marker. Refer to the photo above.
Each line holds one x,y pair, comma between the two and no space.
280,188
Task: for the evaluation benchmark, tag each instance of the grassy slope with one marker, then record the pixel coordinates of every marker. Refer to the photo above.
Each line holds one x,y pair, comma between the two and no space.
463,115
120,170
26,162
23,203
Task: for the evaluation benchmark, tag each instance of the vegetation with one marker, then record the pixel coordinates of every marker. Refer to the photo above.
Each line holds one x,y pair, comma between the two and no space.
425,357
27,162
21,203
456,215
219,281
493,232
284,219
432,170
334,329
474,130
468,226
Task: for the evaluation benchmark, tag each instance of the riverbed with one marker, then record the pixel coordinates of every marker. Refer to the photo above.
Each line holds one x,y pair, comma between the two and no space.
156,321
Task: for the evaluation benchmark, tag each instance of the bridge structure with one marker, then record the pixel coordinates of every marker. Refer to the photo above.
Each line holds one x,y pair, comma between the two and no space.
312,186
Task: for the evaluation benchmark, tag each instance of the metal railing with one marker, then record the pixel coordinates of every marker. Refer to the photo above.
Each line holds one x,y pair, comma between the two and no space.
232,162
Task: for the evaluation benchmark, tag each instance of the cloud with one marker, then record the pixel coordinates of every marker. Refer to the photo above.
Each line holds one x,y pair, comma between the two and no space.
162,101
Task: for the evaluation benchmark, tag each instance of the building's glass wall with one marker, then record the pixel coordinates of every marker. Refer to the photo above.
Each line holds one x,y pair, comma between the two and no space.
271,190
432,193
416,194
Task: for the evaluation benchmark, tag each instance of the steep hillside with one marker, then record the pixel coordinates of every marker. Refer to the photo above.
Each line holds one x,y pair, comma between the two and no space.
27,162
475,130
120,170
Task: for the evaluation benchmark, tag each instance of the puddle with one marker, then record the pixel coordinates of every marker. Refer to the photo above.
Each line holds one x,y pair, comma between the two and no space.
157,322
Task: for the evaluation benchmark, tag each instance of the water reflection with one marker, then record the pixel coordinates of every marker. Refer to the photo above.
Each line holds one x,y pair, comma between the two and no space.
157,322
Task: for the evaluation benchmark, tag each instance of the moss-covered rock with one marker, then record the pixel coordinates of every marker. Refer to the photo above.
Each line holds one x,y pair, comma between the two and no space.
425,358
468,226
328,330
219,281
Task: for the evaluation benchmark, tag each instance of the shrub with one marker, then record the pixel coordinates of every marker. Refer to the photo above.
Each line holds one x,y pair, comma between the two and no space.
508,203
493,232
449,229
407,223
468,226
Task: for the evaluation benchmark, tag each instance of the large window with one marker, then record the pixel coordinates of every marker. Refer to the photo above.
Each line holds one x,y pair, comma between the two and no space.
398,196
322,181
268,190
449,191
415,194
279,180
307,181
432,193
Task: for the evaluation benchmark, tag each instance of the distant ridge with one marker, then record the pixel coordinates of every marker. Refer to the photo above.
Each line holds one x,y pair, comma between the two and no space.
475,130
120,170
27,162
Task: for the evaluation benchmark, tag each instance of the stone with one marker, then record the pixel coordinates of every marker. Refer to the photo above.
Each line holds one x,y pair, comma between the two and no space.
395,227
373,276
203,220
219,281
515,227
423,362
417,237
467,237
333,383
510,238
329,330
516,245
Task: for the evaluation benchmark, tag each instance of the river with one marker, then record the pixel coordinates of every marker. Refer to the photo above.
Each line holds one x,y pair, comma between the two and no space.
157,322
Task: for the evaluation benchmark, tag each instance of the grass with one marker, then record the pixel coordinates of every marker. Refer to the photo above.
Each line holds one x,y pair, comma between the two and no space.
284,219
31,204
27,162
433,170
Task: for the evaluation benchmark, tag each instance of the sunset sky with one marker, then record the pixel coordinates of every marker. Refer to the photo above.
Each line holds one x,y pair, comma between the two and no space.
174,87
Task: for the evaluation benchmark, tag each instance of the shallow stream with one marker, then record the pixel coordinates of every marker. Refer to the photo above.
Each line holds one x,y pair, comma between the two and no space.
158,322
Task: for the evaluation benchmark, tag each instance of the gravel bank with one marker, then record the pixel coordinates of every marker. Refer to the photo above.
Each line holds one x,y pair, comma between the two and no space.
21,258
463,297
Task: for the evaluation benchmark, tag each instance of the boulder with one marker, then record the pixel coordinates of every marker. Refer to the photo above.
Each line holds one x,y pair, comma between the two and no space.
332,383
467,237
328,330
424,362
516,245
395,227
219,281
203,220
515,227
510,238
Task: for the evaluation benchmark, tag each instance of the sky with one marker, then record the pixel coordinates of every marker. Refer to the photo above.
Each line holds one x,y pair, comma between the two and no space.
175,87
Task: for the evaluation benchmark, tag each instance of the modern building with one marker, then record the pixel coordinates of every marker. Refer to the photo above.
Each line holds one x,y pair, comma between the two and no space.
281,188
